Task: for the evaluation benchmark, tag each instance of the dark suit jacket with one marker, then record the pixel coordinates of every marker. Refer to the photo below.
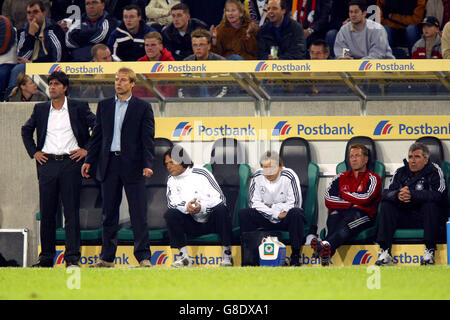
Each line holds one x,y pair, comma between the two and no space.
136,140
81,119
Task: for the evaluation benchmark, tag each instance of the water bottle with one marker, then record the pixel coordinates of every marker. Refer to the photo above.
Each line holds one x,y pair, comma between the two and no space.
448,241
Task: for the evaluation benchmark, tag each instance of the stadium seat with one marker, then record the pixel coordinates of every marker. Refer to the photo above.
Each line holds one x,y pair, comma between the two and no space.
156,187
90,213
437,156
373,165
296,155
228,166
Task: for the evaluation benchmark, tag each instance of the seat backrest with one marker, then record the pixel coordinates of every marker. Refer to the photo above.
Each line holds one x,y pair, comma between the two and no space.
226,156
156,187
435,146
296,155
369,143
91,205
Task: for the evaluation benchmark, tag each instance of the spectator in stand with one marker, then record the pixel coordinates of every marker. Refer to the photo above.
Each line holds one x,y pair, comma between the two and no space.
101,53
155,51
313,15
235,37
206,10
257,10
16,11
95,27
41,40
127,41
439,9
8,52
154,48
158,13
445,41
361,38
201,45
177,35
280,34
319,50
115,7
26,90
401,18
429,46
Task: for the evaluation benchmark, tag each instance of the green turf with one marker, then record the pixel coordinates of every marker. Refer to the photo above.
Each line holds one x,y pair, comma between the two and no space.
227,283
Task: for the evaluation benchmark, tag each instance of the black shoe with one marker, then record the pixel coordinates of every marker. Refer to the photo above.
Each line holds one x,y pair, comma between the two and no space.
43,264
295,261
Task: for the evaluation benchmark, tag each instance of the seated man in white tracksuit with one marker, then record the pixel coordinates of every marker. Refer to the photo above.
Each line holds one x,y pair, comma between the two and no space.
275,201
196,206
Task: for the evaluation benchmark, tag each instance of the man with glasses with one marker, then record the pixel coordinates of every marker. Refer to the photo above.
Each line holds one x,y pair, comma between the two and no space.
201,45
94,27
127,41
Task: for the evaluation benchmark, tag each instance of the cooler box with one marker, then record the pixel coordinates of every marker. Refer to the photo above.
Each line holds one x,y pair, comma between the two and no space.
272,252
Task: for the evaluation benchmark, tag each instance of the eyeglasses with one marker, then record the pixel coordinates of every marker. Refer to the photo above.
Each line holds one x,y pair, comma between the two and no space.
199,45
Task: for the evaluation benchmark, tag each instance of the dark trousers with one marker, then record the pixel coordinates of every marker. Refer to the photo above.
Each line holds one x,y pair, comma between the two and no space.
294,222
343,225
428,216
137,203
59,180
180,224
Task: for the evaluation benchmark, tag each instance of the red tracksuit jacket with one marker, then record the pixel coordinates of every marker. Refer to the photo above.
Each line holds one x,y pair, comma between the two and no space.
345,191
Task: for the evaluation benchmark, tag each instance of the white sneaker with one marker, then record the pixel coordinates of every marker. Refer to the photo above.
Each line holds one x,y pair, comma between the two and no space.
227,261
384,259
183,261
428,257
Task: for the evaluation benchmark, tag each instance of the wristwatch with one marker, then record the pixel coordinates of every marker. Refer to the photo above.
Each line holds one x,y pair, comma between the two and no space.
310,30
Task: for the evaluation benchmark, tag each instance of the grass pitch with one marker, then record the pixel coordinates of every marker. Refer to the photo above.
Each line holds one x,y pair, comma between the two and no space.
238,283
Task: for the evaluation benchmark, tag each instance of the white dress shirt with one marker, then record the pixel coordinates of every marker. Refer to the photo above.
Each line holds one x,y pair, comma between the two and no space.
60,138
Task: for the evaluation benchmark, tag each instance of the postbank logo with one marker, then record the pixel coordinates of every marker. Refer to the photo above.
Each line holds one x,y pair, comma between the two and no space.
183,129
159,258
55,67
281,128
261,66
362,257
59,257
157,67
383,127
365,66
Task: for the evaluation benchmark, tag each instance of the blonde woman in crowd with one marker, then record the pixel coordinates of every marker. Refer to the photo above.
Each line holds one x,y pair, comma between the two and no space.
26,90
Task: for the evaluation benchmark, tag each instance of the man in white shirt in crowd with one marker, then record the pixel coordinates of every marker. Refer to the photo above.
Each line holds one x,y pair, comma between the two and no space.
275,202
196,206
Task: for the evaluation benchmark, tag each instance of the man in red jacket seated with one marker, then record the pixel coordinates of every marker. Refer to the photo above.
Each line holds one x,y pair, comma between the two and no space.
154,49
352,200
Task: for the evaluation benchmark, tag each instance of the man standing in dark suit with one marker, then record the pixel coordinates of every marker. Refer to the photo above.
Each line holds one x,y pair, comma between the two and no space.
123,146
62,128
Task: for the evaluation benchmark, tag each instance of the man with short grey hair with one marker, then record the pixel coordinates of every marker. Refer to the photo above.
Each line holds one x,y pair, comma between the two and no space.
416,198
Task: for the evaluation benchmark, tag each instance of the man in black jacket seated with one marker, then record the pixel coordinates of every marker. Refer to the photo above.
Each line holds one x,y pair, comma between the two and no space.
416,198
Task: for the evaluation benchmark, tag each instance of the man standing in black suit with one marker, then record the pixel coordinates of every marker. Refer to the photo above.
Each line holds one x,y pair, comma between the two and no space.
62,128
122,146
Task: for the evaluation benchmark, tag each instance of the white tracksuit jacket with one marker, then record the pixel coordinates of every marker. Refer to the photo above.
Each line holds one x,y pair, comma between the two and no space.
282,194
196,183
